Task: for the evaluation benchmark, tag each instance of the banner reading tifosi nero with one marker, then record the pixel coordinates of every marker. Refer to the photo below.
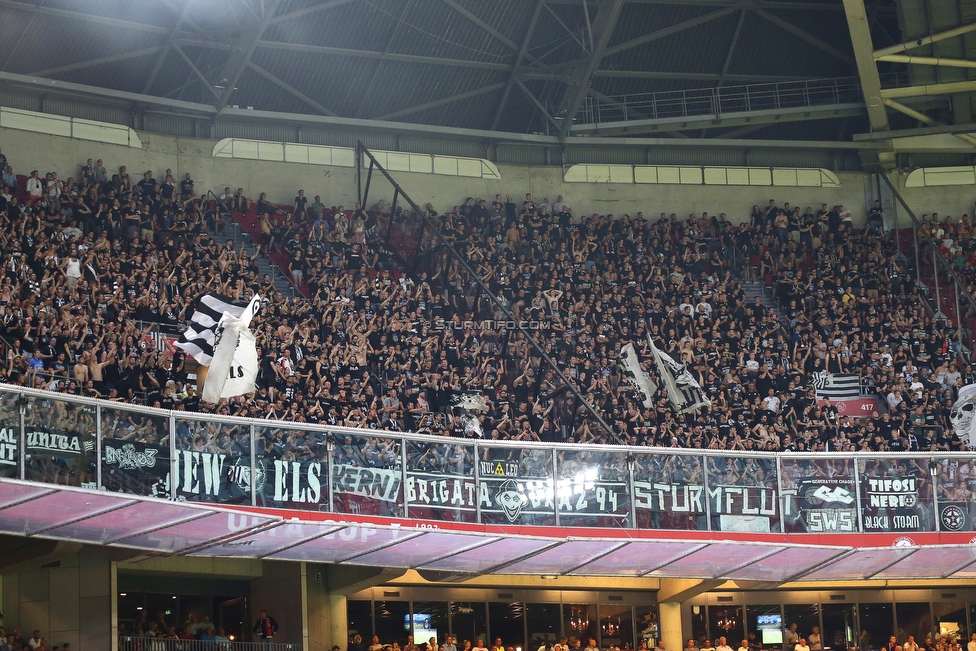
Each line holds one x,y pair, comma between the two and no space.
896,495
819,495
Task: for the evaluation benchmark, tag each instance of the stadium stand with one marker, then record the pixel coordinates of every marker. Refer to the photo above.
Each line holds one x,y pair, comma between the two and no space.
95,263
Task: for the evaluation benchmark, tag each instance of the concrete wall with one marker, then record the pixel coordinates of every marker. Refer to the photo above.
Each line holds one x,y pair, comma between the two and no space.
281,181
71,603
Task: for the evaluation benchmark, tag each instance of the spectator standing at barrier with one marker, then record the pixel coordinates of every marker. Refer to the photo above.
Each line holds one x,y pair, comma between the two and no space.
266,627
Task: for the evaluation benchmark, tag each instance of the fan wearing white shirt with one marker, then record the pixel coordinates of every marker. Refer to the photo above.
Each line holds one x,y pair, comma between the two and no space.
723,645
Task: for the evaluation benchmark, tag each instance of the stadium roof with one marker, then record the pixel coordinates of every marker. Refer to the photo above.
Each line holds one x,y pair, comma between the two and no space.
154,526
521,66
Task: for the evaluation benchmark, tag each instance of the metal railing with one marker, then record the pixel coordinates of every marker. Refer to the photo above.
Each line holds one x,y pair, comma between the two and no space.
176,455
130,643
726,99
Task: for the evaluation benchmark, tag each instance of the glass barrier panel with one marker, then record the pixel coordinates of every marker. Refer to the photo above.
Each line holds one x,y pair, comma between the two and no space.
956,489
669,492
9,435
211,459
819,495
60,442
291,468
135,453
367,475
896,495
742,494
592,488
516,485
441,482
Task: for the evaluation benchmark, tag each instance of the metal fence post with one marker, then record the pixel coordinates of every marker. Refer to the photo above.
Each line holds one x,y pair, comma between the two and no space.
98,447
174,460
254,466
477,483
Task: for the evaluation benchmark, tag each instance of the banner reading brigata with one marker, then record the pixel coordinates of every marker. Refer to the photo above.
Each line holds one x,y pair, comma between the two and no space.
896,495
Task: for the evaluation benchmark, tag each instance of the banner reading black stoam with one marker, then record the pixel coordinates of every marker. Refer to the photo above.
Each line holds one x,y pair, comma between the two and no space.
135,468
896,495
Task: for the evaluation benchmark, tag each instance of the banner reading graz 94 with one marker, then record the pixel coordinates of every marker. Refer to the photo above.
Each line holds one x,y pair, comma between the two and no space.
896,495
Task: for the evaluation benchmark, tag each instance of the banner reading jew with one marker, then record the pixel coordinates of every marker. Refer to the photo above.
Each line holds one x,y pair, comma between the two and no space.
896,495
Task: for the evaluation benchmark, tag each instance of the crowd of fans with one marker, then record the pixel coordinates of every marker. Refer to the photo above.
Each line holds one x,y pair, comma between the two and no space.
92,262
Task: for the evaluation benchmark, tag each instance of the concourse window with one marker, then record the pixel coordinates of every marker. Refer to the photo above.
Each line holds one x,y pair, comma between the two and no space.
392,623
469,621
913,619
544,624
579,621
950,619
839,627
616,627
805,616
360,614
507,621
876,622
727,622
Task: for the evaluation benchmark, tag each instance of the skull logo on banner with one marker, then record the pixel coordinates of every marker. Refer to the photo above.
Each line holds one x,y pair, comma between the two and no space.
962,416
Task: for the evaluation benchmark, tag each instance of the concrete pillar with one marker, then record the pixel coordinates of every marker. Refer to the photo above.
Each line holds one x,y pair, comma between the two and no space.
282,591
671,625
71,601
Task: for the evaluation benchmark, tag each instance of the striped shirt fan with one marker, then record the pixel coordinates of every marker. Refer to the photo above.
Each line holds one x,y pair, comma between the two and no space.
199,338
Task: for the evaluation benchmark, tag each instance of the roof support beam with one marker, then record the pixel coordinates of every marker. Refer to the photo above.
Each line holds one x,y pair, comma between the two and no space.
482,24
857,22
196,71
124,56
766,4
927,61
536,102
236,64
924,119
925,40
367,54
79,16
668,31
288,88
477,92
603,25
947,88
299,13
518,60
169,43
809,38
735,41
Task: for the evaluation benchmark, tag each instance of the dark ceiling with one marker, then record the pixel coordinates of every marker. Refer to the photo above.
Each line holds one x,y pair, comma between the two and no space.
510,65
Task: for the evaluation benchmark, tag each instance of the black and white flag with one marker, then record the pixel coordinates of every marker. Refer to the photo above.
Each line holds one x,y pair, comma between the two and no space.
836,386
683,389
200,336
234,367
631,365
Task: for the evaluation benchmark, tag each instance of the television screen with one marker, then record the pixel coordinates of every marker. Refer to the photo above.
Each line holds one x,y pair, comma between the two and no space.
771,628
422,629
